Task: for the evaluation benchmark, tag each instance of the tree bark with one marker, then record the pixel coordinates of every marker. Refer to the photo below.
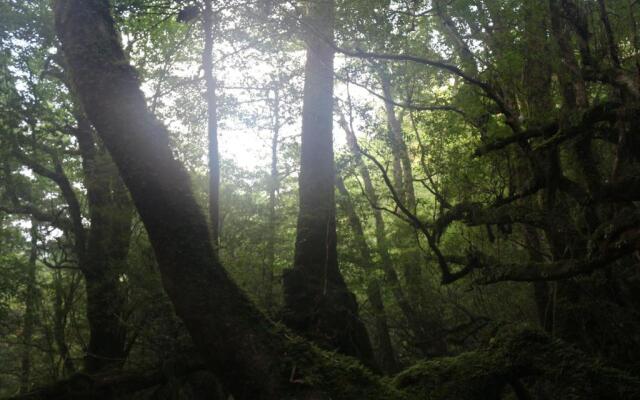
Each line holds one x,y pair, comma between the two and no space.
318,303
104,258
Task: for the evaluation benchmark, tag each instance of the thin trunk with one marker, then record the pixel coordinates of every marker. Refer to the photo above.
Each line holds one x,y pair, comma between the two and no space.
212,121
60,311
387,360
318,303
539,109
29,312
386,354
104,259
541,290
274,180
572,84
411,265
382,244
611,41
401,159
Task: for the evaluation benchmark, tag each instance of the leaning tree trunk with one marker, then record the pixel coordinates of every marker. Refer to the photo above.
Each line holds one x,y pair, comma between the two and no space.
318,303
234,338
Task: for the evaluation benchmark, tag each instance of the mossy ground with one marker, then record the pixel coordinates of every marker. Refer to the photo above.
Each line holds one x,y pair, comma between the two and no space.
334,376
521,353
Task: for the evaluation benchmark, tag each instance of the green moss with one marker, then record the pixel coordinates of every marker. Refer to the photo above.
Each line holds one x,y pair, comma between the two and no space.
468,376
338,376
522,353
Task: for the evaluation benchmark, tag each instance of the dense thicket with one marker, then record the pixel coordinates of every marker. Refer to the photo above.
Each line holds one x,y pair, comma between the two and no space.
475,236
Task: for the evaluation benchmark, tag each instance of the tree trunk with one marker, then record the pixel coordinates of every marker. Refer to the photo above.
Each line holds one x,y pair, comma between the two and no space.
538,110
382,245
318,303
412,263
212,121
104,259
235,339
387,360
29,312
274,183
386,354
61,311
401,162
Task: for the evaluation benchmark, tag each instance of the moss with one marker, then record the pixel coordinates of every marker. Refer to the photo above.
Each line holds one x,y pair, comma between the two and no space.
312,373
571,373
468,376
519,353
338,377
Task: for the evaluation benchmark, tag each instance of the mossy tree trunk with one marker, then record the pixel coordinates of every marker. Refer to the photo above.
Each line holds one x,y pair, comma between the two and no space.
233,337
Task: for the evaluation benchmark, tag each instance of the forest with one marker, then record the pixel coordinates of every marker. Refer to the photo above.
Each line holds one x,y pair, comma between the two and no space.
320,199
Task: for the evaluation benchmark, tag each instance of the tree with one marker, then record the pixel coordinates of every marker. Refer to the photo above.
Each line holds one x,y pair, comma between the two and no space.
318,302
386,356
237,342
